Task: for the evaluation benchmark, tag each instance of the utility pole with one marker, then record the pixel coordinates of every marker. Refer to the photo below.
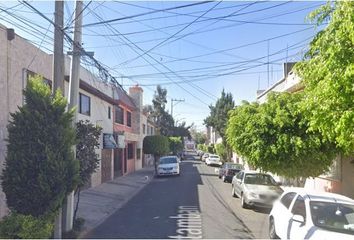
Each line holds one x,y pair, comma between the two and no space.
58,56
73,100
58,78
175,100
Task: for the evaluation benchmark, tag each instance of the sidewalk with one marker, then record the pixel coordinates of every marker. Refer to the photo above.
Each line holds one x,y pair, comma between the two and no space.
98,203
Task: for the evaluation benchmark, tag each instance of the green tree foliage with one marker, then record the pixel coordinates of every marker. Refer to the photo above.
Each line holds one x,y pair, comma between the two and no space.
275,137
40,168
219,113
221,151
87,141
18,226
328,75
162,119
198,136
211,148
181,131
176,144
157,145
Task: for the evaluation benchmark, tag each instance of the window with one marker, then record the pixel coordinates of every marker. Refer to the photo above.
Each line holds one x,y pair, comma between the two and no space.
129,119
299,207
84,104
130,151
287,199
119,115
144,127
109,112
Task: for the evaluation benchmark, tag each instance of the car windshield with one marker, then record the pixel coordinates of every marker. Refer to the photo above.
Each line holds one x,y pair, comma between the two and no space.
214,156
168,160
333,216
234,166
259,179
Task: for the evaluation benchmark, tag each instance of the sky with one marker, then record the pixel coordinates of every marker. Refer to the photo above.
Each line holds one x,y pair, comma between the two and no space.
192,49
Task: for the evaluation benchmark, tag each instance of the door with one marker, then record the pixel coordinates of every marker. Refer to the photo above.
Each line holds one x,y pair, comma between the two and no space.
125,157
238,183
106,165
118,154
298,229
283,215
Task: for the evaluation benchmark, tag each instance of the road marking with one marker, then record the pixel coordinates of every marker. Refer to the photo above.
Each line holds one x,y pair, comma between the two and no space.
189,223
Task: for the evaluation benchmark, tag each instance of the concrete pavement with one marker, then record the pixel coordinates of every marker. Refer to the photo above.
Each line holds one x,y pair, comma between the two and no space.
98,203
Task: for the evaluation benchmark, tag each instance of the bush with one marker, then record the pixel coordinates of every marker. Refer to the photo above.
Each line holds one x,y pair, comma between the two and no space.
40,167
157,145
16,226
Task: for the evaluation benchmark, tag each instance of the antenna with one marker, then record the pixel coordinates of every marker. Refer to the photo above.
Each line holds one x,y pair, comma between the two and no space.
268,62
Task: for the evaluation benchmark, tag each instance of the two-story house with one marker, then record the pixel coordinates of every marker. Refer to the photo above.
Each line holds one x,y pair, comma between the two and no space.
103,104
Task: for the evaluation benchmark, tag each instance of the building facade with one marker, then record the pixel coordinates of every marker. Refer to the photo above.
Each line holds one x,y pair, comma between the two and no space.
102,104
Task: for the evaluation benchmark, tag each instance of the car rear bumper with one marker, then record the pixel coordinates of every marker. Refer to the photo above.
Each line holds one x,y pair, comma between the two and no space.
162,173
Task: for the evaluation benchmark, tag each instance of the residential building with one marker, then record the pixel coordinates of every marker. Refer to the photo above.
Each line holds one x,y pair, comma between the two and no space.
103,104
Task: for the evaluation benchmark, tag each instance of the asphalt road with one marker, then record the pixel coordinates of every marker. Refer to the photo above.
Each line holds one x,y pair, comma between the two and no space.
195,204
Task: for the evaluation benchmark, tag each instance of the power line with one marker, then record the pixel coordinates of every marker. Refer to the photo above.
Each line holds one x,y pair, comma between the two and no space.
115,30
143,14
179,31
104,73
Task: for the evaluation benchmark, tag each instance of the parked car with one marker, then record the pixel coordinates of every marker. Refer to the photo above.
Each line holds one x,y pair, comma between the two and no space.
302,214
228,170
205,156
213,160
255,189
168,165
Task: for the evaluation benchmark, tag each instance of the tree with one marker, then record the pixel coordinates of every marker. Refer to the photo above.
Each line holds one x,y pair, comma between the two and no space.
221,151
181,131
40,168
157,145
87,141
162,119
328,72
219,115
275,137
198,136
176,144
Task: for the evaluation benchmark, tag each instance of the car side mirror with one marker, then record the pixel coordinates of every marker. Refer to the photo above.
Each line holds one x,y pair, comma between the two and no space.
299,219
279,183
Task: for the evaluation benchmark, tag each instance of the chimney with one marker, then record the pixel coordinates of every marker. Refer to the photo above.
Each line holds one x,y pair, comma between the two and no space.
136,93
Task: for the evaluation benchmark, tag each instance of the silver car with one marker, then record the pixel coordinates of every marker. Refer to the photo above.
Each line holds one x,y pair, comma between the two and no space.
255,189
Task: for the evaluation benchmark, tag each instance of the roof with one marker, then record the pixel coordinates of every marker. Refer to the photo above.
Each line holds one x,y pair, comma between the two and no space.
124,98
314,195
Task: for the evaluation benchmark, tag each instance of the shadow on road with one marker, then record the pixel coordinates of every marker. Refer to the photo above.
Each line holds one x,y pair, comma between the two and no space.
161,210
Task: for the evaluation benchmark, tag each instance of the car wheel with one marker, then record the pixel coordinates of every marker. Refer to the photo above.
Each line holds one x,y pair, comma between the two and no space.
272,233
233,194
219,176
243,203
223,178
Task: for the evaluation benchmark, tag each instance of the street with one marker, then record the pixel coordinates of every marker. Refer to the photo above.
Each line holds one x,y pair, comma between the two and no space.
195,204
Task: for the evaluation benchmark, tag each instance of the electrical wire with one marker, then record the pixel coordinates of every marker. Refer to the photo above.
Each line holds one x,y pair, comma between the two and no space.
173,35
143,14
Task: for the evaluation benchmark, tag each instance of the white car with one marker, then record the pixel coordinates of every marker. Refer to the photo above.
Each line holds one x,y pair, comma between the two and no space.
302,214
168,165
213,160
